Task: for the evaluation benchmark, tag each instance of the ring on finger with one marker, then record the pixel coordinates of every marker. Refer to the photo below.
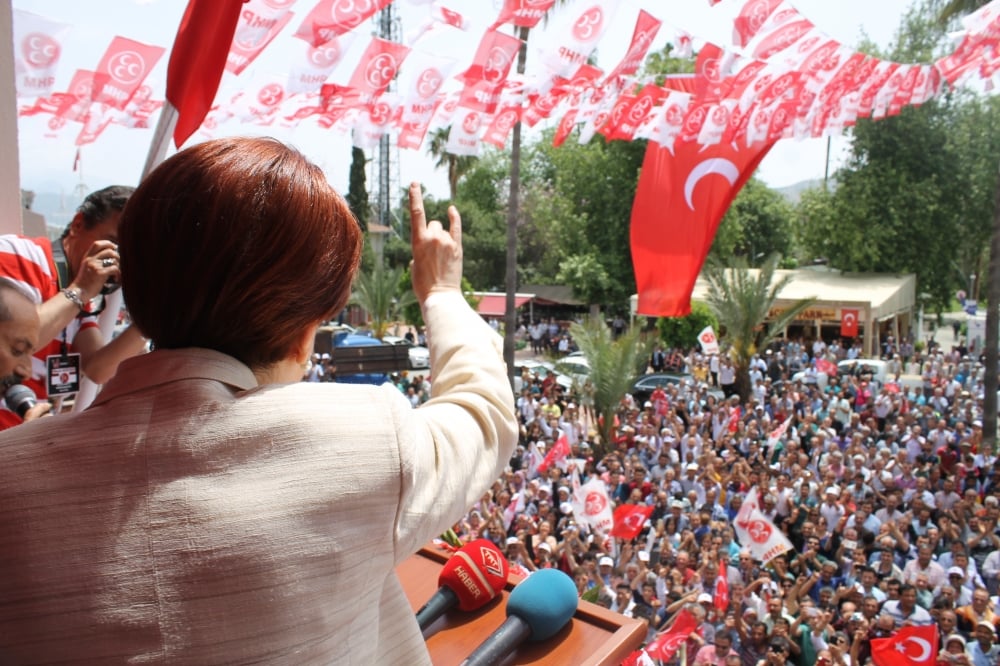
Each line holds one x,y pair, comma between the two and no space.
107,261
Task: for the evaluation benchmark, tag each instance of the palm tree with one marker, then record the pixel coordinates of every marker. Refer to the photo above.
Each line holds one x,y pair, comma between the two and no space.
741,301
457,165
379,293
613,366
953,9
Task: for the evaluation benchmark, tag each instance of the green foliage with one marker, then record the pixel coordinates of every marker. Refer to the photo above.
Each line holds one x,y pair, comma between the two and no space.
591,187
741,301
758,223
613,366
682,332
660,64
378,291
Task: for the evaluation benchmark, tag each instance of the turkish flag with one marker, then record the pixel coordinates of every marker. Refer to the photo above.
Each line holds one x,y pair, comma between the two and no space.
198,59
556,454
629,519
849,322
828,368
667,643
721,597
681,197
910,646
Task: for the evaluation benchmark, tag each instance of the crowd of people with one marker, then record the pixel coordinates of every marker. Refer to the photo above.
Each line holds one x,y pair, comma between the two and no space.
886,492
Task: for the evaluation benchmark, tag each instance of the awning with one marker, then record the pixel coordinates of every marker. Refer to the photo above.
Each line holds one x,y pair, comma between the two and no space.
495,305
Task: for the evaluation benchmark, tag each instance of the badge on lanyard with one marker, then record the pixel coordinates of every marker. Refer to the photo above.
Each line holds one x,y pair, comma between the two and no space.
63,375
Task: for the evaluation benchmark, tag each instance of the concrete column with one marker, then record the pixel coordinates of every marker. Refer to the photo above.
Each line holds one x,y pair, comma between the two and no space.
10,175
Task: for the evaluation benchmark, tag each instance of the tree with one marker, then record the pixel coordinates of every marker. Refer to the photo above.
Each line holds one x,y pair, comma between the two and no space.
613,366
741,300
992,342
378,292
682,332
457,165
757,224
357,190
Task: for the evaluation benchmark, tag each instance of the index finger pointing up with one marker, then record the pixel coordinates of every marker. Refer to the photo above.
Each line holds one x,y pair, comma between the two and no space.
418,220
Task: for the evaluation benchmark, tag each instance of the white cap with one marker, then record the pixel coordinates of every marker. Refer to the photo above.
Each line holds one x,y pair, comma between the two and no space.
644,556
566,507
704,597
956,571
512,540
605,562
545,546
692,466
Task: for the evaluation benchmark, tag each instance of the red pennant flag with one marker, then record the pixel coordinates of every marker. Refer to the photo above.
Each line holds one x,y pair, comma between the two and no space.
629,519
198,59
910,646
523,13
122,70
734,419
378,66
556,454
666,644
331,18
849,322
721,597
680,199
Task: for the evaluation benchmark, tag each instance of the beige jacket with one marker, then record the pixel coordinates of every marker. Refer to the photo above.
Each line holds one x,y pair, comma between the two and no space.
192,517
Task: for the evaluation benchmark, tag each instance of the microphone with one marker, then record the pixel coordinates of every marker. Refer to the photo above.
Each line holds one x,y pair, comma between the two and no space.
474,575
541,605
20,399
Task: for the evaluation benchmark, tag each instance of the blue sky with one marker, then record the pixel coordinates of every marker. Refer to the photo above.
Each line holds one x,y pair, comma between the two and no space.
117,157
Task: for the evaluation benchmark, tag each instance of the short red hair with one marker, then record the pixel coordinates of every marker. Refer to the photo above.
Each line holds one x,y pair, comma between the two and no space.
236,245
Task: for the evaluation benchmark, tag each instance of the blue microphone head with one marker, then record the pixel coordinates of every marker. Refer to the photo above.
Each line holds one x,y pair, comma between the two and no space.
545,600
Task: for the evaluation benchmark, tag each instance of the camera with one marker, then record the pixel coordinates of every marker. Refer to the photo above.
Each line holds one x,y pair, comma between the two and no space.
110,287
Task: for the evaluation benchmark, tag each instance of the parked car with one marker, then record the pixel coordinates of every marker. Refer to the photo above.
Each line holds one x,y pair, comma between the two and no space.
644,385
420,357
873,369
575,366
542,369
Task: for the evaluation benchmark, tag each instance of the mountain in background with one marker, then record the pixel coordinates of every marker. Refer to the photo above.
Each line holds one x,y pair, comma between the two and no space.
794,192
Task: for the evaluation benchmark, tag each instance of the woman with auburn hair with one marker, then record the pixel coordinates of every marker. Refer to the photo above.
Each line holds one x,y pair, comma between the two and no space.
209,507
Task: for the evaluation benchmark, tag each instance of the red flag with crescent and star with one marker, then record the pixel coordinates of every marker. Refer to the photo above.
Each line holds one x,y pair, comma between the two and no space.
849,322
682,194
667,643
910,646
629,519
198,59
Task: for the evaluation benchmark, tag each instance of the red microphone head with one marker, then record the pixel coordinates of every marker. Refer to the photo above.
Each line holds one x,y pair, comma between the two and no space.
476,573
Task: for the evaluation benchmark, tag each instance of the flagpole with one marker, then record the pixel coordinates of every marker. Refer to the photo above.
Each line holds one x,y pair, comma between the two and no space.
161,138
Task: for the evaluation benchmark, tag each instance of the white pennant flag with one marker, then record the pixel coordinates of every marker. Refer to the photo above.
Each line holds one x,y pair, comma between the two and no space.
757,533
592,506
709,343
37,50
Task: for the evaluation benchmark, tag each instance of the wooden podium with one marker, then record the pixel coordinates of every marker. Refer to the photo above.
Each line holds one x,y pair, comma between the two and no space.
594,637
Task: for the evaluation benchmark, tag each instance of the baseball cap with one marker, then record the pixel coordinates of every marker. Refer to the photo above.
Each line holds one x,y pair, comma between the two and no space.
692,466
704,598
512,540
956,571
988,625
545,546
566,507
955,637
644,556
606,562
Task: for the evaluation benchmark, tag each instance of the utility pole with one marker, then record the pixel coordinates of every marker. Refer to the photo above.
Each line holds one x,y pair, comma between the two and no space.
385,163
